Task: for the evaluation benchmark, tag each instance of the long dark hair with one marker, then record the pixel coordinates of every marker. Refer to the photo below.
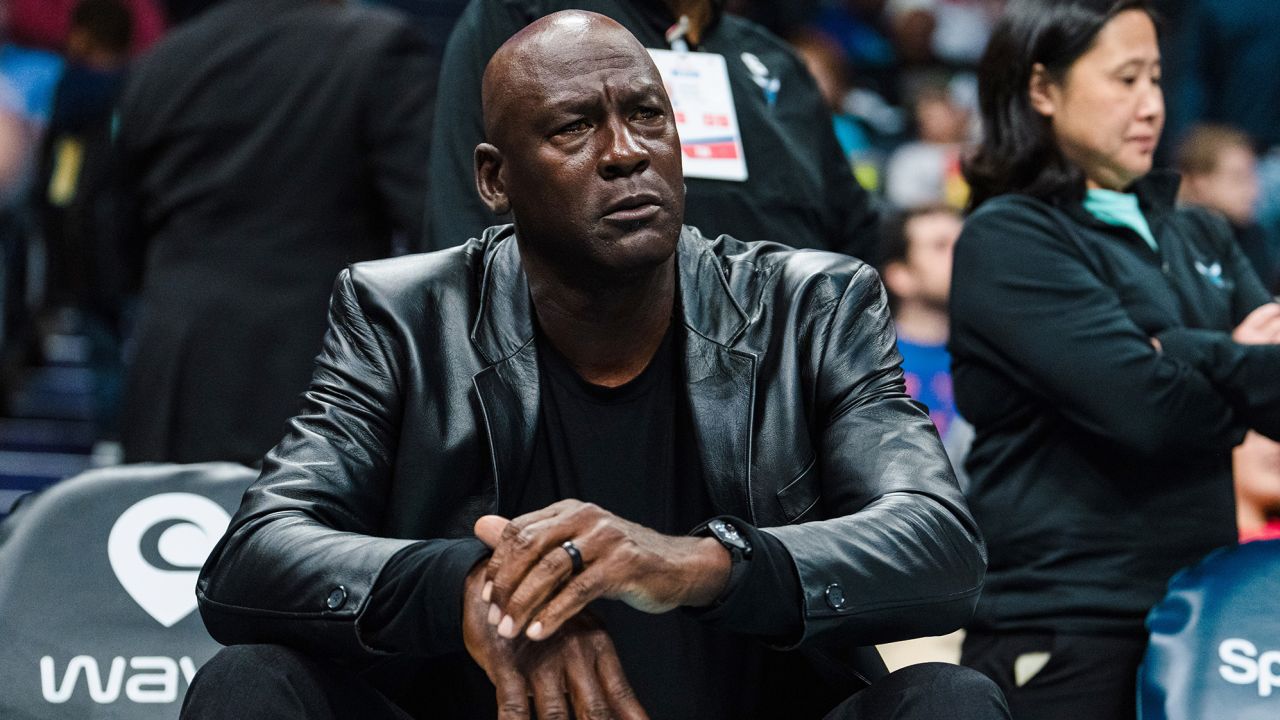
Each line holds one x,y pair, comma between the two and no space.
1018,152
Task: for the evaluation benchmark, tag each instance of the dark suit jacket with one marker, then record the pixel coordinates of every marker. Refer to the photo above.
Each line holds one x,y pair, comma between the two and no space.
266,145
422,416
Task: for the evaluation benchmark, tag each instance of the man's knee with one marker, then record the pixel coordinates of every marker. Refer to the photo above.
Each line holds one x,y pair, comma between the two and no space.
928,691
242,680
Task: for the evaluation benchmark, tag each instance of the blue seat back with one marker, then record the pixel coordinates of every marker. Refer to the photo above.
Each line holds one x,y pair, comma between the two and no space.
1215,640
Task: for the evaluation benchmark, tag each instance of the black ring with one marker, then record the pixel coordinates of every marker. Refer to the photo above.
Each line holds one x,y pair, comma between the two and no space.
575,555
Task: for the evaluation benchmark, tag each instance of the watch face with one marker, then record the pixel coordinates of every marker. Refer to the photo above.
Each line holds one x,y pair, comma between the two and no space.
727,533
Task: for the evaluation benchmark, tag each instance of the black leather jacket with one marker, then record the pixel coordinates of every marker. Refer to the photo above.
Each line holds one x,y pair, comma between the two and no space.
423,410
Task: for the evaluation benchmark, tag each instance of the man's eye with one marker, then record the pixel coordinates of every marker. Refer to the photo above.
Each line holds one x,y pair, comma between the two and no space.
647,114
574,127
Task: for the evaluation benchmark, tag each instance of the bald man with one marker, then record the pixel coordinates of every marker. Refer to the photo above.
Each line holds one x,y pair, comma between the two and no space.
595,464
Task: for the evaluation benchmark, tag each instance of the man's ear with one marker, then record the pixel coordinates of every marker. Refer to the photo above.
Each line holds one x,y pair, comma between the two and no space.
1040,91
899,280
489,179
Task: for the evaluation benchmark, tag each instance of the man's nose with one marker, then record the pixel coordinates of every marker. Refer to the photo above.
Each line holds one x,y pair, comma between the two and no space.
623,155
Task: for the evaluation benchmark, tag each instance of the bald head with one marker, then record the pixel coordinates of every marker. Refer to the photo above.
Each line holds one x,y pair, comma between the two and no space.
517,78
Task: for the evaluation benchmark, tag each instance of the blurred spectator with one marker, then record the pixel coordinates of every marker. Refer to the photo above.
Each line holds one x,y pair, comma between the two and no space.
47,23
951,32
180,11
799,189
264,145
1257,473
15,139
1220,172
436,18
76,152
927,171
1221,68
915,265
84,280
862,31
780,18
830,69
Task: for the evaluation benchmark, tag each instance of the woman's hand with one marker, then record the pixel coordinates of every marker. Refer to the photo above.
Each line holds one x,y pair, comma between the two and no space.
1261,327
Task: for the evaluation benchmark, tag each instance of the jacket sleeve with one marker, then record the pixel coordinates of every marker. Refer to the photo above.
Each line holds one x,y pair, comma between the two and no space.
302,554
899,555
1248,375
454,210
398,114
1025,302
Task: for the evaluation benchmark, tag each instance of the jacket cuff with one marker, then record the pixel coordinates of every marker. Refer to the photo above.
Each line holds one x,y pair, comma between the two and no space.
415,606
765,599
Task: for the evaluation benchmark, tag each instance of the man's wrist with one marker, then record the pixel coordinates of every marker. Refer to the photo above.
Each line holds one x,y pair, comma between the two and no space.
708,571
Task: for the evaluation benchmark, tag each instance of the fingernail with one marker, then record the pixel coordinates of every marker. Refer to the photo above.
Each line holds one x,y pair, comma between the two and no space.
507,628
494,614
486,592
535,630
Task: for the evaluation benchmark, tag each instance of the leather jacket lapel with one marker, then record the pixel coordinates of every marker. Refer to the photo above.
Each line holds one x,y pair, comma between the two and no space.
508,389
721,387
508,394
720,380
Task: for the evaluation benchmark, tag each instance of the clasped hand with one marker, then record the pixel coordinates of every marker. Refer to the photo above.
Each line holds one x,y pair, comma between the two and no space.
524,618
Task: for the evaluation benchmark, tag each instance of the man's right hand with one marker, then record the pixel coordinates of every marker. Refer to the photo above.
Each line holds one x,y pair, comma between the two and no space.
1261,327
576,668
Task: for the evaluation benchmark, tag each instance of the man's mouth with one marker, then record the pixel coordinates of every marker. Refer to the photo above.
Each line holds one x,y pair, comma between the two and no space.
638,206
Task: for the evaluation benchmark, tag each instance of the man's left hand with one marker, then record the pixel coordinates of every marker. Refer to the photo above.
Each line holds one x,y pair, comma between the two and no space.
530,577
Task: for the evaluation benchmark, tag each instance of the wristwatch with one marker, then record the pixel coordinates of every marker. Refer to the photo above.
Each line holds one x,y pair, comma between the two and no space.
735,542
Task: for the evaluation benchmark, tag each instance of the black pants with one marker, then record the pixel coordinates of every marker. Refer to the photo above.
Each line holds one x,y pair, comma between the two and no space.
1086,676
252,682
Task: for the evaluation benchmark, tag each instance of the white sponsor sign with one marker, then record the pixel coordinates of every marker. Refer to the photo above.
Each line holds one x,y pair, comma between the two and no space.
156,549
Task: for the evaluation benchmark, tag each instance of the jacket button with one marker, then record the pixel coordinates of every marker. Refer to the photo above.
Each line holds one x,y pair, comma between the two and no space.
835,596
337,598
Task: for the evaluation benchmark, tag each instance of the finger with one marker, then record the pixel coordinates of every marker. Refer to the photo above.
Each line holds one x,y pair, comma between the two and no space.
622,698
590,702
517,554
509,530
571,599
549,694
551,571
489,529
512,694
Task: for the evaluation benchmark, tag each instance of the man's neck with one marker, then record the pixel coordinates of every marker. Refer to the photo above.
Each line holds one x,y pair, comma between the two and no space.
921,323
608,331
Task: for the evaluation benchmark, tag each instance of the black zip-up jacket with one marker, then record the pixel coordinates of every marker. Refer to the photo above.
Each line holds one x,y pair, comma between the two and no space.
1102,465
422,416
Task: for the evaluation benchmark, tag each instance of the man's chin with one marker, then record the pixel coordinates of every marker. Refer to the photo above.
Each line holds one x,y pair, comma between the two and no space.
638,249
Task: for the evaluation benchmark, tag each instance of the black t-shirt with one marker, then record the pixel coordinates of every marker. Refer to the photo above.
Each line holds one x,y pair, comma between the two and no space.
631,450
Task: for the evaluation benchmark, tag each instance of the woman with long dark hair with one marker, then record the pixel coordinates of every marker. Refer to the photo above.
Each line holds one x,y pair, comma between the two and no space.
1109,349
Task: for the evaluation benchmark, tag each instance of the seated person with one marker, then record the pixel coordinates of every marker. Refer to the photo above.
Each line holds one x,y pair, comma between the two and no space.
608,380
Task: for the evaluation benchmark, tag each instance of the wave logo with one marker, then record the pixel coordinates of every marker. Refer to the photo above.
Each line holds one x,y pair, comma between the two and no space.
156,549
